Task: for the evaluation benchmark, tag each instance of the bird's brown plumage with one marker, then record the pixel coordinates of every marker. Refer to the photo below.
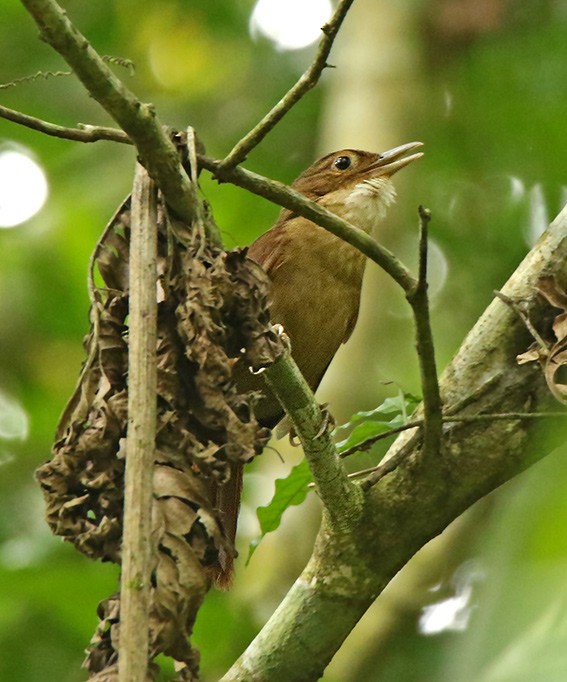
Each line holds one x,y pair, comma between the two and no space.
316,278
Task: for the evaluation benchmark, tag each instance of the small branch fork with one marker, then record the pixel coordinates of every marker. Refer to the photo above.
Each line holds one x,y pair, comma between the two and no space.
380,470
157,153
305,83
83,133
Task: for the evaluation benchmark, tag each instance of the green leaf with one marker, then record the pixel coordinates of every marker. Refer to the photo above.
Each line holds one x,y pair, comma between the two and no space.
393,412
291,490
361,432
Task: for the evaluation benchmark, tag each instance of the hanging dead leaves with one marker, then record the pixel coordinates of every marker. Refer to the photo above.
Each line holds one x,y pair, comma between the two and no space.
212,312
552,354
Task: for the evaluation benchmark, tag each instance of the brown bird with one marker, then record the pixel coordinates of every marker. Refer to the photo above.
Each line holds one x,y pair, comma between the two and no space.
316,278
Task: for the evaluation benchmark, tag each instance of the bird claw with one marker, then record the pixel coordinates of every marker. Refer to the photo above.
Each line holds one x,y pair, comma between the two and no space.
328,422
280,331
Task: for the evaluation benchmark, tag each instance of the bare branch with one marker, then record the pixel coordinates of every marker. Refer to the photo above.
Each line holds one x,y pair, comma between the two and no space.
367,443
525,319
419,301
307,81
157,153
83,133
142,406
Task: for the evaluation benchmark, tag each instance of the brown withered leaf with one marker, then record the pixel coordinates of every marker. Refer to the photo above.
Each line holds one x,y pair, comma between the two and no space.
552,355
212,310
557,358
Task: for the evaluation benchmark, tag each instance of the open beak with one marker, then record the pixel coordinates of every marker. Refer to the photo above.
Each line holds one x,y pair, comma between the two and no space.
391,161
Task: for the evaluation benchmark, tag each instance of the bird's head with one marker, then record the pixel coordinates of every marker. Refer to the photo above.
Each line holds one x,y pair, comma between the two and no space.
356,184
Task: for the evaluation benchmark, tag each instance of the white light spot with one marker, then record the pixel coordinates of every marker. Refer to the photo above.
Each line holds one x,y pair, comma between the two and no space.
448,100
290,24
14,423
453,613
517,188
539,217
449,614
23,188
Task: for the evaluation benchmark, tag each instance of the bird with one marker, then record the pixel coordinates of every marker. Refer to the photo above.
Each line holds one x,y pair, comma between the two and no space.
315,282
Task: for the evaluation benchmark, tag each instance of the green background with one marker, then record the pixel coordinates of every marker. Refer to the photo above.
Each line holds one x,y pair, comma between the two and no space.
486,94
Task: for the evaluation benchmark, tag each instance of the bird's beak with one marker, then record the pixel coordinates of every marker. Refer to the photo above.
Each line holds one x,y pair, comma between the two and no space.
393,160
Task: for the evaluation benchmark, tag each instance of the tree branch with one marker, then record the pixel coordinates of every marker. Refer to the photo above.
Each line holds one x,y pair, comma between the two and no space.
341,499
83,133
142,378
306,82
139,121
419,301
287,197
421,495
366,444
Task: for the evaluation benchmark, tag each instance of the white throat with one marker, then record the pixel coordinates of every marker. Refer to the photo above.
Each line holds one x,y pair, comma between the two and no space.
365,204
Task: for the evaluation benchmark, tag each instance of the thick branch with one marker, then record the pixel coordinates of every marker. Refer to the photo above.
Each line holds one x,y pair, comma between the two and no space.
307,81
341,498
138,120
142,377
421,495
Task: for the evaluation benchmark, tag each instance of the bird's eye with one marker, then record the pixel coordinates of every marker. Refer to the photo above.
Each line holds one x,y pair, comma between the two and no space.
342,162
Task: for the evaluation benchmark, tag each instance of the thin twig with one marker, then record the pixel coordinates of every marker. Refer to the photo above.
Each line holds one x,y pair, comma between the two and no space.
46,75
142,377
138,120
367,443
419,301
525,319
83,133
376,473
379,471
287,197
305,83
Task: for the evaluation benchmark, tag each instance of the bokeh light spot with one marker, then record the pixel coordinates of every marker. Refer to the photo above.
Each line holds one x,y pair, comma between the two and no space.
23,187
13,419
290,24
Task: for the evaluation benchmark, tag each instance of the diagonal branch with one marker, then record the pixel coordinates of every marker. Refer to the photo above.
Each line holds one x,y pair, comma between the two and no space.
418,498
285,196
306,82
139,121
341,498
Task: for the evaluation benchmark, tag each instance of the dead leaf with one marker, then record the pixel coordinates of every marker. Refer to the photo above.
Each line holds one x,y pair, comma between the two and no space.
212,310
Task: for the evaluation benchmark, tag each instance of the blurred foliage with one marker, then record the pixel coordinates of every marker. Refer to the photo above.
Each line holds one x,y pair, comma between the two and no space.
492,113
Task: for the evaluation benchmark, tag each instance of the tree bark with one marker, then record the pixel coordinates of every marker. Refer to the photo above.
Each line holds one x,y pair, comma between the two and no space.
421,497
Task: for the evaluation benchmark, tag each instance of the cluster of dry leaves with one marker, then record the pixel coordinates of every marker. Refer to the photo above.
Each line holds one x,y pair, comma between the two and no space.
212,313
551,354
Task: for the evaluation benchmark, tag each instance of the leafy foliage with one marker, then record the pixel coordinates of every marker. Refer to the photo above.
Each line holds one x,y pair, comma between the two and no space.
290,490
393,412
